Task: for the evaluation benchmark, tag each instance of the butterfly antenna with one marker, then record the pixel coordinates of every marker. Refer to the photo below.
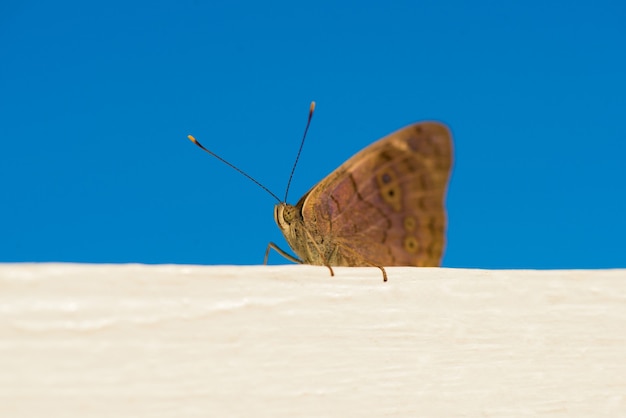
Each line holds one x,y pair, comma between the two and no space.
311,109
195,141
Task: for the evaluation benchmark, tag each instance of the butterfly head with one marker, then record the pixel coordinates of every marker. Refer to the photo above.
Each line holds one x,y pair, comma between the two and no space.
290,222
285,215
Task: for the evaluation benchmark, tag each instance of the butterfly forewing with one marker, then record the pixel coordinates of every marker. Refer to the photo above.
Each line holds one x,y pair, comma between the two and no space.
385,205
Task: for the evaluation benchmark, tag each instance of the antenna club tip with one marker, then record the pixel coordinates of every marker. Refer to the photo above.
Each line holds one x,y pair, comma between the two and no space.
192,139
312,108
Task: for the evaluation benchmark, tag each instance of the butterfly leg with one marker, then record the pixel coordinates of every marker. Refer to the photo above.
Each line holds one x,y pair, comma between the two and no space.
364,261
384,272
381,269
280,251
288,256
332,272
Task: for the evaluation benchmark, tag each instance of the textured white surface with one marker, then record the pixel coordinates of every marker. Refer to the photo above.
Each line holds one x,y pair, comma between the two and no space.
154,341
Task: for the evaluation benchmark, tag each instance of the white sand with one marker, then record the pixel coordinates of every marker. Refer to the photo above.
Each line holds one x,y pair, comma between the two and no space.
290,341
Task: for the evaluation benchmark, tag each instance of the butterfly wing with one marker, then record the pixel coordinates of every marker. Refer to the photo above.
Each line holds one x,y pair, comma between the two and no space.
385,205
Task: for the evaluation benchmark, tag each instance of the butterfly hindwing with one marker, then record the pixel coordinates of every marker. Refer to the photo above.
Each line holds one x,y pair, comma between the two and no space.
385,205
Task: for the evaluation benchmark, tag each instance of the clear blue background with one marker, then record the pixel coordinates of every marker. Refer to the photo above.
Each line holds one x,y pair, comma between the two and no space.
96,100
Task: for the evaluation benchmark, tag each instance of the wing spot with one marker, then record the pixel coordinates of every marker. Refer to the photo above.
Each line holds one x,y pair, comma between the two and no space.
411,244
409,223
389,188
434,250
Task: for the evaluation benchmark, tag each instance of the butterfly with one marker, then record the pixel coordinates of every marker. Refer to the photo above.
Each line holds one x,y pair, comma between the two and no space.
385,206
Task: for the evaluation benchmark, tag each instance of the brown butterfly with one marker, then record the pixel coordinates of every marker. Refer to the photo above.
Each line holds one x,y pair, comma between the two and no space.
382,207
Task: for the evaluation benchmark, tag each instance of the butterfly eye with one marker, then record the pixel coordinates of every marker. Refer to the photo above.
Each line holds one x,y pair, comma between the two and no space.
289,214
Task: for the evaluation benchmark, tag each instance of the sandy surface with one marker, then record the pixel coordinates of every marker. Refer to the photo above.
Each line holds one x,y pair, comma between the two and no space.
290,341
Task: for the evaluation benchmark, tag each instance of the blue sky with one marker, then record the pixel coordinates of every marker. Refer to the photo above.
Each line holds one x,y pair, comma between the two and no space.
96,101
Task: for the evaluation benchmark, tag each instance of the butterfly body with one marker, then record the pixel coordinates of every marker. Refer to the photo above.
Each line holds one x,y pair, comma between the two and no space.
382,207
